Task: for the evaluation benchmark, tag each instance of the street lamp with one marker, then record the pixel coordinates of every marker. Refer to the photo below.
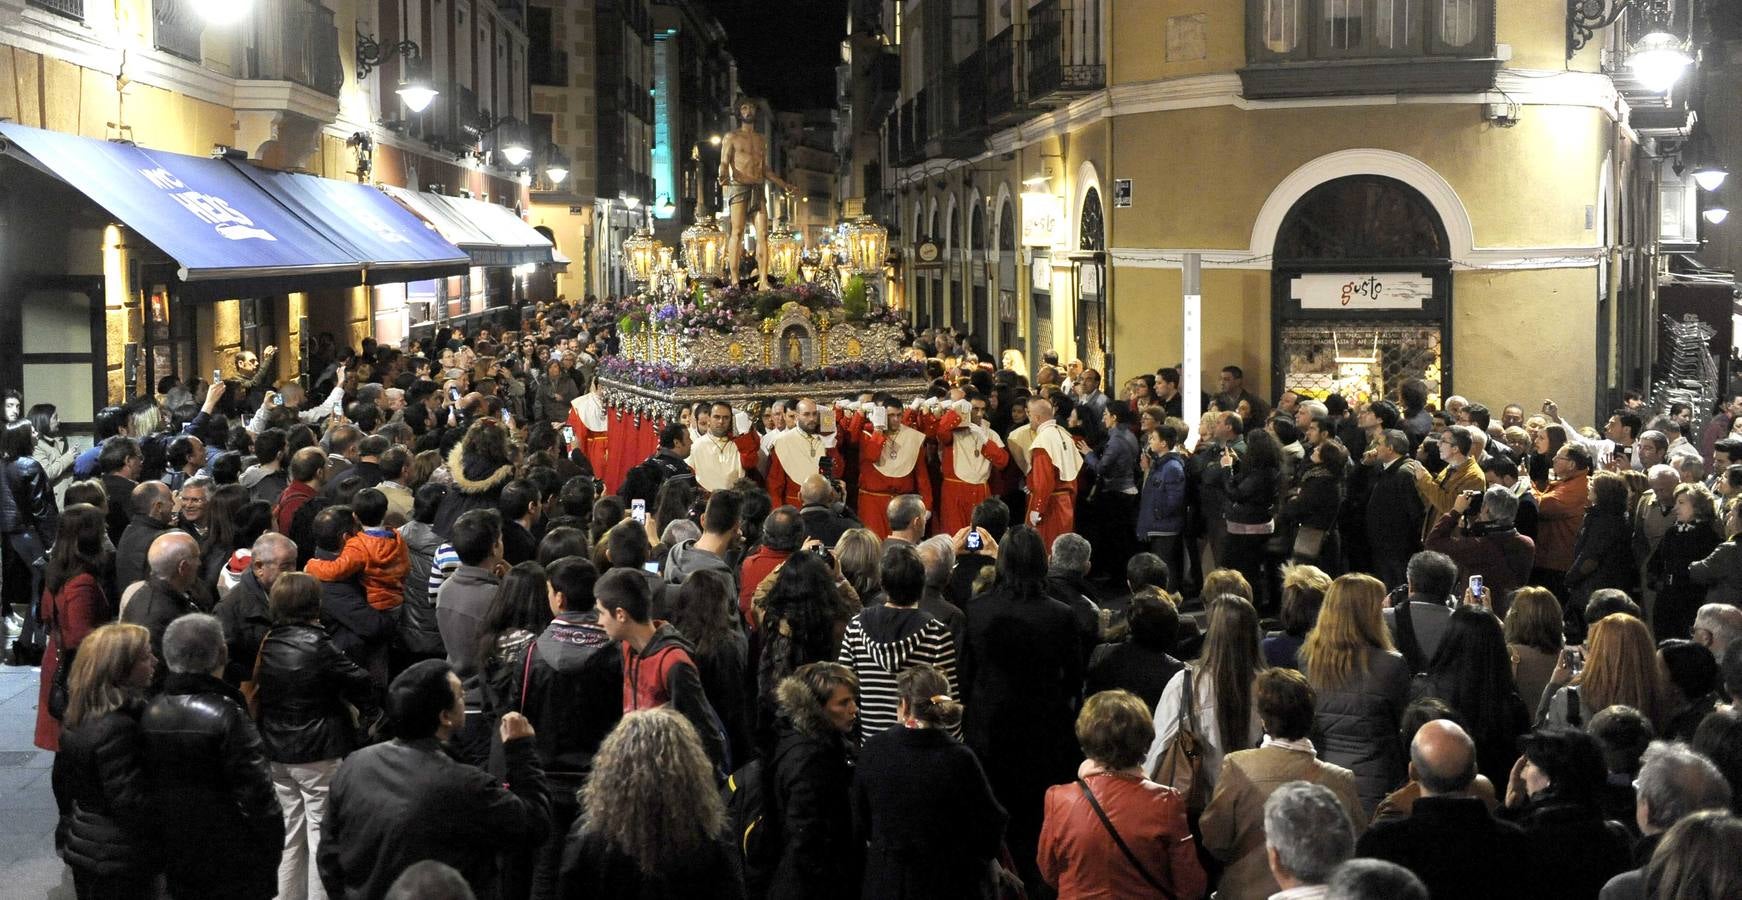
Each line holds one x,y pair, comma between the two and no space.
516,153
1657,59
1716,215
556,172
414,86
1710,176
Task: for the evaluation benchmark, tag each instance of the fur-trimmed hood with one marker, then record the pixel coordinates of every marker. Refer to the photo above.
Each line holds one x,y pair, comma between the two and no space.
467,477
803,709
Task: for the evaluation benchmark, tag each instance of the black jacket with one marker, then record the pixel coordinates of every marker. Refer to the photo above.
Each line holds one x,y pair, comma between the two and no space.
119,491
358,629
305,684
155,606
819,857
1570,838
1602,556
644,481
246,618
592,868
131,549
33,506
208,766
1458,850
477,485
100,779
1133,666
573,696
396,803
1394,511
1021,674
518,544
922,807
828,523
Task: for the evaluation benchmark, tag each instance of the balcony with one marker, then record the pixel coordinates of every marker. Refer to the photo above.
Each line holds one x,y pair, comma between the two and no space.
1006,102
885,80
1064,51
176,28
1318,48
302,49
72,9
971,92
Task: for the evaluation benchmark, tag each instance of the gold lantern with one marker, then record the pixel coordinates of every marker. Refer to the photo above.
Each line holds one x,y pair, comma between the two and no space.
785,245
704,250
641,256
664,266
865,244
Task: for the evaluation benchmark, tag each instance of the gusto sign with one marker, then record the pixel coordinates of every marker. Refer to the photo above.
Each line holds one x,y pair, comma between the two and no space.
1376,291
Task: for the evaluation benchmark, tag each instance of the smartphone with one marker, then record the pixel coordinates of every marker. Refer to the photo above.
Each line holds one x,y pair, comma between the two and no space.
453,395
823,552
508,418
217,375
1476,586
973,541
568,435
638,510
650,567
278,400
1575,657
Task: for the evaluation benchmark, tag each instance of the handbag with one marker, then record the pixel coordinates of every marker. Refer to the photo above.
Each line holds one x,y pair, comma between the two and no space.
1120,841
1181,765
251,688
1309,542
59,692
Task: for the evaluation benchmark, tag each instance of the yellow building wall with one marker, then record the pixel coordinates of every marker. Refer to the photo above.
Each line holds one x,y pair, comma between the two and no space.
1507,324
571,233
1200,176
1207,37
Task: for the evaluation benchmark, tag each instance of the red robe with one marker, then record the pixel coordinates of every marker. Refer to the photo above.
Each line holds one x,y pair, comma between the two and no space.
877,489
784,491
957,499
594,444
1053,498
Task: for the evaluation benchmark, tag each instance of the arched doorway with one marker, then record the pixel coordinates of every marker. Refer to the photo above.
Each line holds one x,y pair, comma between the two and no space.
1091,312
977,278
541,284
1004,332
1361,288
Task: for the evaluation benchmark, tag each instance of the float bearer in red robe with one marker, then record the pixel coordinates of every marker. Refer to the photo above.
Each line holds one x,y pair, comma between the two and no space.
797,455
1053,464
587,420
970,453
890,462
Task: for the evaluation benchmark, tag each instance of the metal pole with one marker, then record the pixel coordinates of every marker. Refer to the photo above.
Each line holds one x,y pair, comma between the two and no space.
1191,335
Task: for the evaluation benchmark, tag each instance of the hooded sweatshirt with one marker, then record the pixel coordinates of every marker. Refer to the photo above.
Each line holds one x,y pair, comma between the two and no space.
686,558
380,555
665,672
880,642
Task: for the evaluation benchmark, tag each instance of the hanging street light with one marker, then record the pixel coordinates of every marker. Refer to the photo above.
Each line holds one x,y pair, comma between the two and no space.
1716,215
1658,60
1710,176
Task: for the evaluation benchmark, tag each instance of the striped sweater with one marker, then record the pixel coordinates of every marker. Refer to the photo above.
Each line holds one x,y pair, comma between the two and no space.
880,642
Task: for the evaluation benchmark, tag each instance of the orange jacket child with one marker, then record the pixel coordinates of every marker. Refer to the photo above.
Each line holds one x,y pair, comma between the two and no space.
378,553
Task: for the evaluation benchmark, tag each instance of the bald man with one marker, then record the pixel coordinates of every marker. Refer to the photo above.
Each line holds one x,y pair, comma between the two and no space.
245,610
168,593
825,518
799,453
1450,839
1053,466
152,509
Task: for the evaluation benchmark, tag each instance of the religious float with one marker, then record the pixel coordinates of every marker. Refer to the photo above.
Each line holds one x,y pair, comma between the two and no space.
816,327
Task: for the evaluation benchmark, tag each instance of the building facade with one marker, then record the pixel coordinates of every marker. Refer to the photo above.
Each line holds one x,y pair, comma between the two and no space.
1440,189
285,86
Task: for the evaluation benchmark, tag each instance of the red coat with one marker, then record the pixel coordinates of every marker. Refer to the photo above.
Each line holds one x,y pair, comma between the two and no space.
958,498
1079,857
79,608
594,444
751,571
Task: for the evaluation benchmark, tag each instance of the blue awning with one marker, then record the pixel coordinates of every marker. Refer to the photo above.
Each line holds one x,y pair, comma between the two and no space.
217,225
393,244
493,235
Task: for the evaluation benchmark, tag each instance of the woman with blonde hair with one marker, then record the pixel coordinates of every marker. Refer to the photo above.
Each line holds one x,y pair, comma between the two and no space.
105,831
860,552
1697,859
1620,667
1362,686
1303,593
1534,638
652,823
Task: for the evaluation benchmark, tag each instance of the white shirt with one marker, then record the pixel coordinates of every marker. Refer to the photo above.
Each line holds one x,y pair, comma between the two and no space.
1209,733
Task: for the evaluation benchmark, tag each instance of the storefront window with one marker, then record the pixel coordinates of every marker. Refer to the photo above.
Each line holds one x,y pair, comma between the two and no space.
456,294
390,314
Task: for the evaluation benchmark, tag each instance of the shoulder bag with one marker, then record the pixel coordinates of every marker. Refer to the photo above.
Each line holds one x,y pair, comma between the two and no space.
59,693
1124,848
1181,765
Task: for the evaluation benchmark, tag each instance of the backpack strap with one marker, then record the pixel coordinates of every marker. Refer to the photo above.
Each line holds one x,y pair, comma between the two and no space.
526,673
1124,848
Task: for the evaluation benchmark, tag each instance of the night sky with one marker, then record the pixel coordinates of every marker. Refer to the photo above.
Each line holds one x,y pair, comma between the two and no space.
786,49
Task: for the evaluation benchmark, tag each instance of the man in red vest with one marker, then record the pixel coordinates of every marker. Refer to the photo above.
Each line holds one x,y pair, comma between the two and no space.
970,453
890,462
798,454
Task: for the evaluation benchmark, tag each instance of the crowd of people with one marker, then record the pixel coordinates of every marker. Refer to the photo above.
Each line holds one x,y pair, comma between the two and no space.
413,627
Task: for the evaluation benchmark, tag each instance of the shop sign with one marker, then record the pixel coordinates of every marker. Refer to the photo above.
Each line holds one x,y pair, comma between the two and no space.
1043,218
215,211
1375,291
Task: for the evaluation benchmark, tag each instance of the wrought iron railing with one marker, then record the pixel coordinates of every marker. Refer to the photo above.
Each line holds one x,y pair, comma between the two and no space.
1064,49
72,9
176,28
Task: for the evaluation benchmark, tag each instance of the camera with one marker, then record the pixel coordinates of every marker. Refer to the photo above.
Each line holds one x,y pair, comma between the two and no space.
973,541
1475,510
